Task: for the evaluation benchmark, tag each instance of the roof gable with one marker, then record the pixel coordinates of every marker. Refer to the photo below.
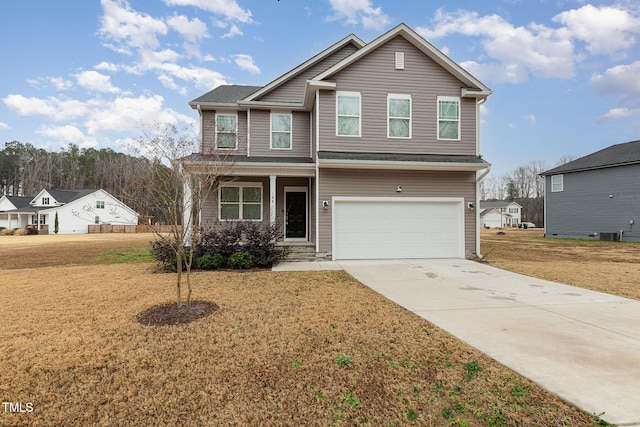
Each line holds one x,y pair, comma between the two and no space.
59,197
13,202
616,155
226,94
474,87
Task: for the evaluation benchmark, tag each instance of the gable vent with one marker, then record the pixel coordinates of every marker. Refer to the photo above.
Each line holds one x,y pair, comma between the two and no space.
399,60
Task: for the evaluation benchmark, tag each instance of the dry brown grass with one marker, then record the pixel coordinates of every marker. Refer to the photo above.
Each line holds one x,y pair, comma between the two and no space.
71,346
611,267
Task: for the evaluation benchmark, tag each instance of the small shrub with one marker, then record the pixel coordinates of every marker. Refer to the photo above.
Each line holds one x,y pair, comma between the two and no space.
211,262
164,251
240,261
173,264
21,232
7,232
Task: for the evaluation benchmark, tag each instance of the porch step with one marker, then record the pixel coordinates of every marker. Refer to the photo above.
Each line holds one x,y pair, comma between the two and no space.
301,253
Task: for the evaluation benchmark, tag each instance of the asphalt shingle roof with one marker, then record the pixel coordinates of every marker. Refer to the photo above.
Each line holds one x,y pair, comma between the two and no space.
226,94
615,155
430,158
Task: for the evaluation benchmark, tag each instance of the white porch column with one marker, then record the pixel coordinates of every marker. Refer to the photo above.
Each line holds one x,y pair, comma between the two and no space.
187,206
272,199
9,221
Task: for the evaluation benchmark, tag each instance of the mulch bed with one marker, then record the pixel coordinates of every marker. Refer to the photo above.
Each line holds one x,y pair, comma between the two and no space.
171,314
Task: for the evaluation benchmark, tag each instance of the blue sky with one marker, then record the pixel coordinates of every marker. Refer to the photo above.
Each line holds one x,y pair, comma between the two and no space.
565,73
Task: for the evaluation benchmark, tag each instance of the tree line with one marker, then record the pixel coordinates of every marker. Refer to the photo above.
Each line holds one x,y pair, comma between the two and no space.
26,169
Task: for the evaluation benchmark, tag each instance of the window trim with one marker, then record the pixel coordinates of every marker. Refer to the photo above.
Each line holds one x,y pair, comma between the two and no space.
240,186
359,116
389,118
99,204
235,147
281,113
459,121
45,201
560,184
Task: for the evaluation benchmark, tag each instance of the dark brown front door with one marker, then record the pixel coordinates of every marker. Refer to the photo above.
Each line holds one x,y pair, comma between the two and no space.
296,214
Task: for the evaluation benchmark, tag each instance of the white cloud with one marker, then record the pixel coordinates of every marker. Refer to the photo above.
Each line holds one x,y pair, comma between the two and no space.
519,51
357,12
192,30
621,79
233,32
52,107
606,30
126,28
619,113
4,126
227,8
94,81
106,66
245,62
58,83
66,133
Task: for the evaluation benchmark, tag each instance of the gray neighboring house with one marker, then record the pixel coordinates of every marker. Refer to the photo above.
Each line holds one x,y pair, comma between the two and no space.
596,196
366,150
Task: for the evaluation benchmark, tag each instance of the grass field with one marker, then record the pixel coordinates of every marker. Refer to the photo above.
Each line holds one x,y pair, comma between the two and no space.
295,348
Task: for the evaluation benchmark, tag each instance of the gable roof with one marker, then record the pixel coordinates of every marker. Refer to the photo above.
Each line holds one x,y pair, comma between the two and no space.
497,204
64,196
19,201
475,87
627,153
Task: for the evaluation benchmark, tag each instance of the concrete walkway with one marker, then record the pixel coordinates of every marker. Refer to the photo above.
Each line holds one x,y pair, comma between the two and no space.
581,345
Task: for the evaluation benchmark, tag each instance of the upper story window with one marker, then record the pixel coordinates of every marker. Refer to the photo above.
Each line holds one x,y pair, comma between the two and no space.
513,210
281,131
348,107
227,131
45,200
99,204
557,183
399,116
241,201
449,118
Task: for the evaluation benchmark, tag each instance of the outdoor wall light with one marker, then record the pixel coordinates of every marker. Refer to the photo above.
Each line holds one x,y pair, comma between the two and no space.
399,189
325,204
471,206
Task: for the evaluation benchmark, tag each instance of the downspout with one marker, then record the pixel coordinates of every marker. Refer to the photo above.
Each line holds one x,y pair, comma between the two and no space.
199,108
317,130
479,178
248,132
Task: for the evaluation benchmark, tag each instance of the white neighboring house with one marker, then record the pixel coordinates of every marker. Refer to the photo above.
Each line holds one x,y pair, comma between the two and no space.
500,214
76,209
10,203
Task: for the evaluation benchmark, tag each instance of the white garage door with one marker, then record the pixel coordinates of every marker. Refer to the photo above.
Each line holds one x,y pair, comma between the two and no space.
393,228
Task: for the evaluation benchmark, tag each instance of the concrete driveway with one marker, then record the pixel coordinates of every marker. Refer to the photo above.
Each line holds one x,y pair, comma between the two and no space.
581,345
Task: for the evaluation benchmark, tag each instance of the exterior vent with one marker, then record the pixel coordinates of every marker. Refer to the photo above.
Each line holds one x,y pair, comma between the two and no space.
609,237
399,60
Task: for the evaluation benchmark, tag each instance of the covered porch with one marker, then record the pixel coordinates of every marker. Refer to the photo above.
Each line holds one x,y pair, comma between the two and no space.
30,218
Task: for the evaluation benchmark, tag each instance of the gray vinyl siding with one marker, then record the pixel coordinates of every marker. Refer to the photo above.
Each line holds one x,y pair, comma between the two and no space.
261,138
383,183
209,132
584,207
293,90
209,214
375,76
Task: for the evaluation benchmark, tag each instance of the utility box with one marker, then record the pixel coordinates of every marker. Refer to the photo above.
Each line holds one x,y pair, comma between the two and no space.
609,237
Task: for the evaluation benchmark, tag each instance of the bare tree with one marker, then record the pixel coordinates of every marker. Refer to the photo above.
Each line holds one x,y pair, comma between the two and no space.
180,181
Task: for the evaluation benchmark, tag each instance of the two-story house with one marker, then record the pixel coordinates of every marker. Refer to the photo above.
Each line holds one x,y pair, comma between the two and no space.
363,151
500,213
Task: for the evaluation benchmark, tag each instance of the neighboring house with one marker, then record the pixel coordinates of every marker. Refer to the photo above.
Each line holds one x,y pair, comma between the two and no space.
10,203
363,151
76,209
500,214
596,196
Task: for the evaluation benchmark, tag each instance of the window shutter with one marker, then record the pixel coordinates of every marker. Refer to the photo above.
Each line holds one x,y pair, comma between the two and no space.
399,60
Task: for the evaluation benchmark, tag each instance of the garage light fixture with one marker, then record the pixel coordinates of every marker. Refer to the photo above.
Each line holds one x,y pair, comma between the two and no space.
399,189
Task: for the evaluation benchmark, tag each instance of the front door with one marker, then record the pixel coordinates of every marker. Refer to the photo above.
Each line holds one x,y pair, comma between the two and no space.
295,215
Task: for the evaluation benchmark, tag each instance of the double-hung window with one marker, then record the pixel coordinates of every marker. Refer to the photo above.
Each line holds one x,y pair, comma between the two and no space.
99,204
348,108
449,118
241,201
399,116
226,131
557,183
281,131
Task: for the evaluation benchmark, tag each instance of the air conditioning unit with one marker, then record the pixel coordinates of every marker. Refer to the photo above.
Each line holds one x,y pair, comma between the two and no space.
609,237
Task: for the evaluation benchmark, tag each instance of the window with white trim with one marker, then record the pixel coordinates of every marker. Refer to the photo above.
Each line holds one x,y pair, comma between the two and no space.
240,201
557,183
226,131
348,117
399,116
45,200
449,118
281,131
99,204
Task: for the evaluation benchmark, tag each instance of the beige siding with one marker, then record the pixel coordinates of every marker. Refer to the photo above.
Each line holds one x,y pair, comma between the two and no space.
261,138
375,76
382,183
293,90
209,132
